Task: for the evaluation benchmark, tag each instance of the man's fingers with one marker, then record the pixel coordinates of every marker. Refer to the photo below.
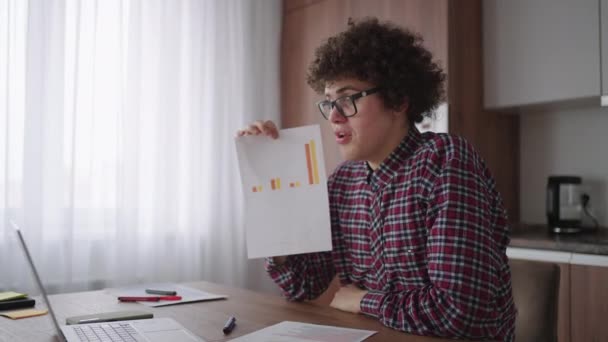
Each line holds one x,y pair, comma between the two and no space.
253,129
267,128
270,129
260,127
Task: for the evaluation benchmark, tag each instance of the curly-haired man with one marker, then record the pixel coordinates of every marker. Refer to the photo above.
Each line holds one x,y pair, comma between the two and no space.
419,230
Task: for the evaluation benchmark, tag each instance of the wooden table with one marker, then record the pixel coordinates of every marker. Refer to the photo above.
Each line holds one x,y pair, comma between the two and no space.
252,310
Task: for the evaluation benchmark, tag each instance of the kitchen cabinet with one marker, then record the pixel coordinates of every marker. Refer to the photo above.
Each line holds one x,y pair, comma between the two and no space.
583,298
589,303
604,46
539,51
589,297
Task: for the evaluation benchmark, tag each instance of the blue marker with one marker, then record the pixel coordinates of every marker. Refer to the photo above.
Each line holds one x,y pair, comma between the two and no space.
229,326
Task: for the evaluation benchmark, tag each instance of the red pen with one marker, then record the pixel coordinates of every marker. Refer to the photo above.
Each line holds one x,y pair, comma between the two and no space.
148,298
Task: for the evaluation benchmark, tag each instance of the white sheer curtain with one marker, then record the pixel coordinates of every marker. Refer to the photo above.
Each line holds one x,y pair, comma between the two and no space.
117,121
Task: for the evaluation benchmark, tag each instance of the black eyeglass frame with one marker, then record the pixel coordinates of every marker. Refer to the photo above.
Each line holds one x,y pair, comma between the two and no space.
352,98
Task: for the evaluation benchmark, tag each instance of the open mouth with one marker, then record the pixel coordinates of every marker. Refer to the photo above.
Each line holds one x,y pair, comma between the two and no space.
343,137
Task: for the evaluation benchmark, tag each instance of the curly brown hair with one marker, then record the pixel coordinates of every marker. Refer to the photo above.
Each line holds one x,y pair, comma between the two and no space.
387,56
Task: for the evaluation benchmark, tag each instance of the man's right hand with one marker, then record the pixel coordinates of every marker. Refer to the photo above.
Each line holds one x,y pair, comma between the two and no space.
260,127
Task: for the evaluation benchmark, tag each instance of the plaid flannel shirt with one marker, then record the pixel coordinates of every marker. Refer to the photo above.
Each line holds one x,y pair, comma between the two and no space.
425,234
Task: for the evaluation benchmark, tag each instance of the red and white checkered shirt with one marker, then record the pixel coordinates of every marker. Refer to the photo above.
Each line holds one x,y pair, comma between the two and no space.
425,234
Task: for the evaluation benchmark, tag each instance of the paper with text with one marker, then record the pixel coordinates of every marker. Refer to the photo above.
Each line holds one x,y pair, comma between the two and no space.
188,294
285,190
303,332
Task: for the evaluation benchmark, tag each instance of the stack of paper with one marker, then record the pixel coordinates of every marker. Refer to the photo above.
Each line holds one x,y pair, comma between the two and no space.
15,300
187,294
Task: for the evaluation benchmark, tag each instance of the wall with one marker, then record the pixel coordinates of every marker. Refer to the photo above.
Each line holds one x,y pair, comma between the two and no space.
563,141
308,23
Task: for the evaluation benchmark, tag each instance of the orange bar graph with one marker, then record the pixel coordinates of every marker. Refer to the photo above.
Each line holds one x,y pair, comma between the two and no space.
309,164
315,166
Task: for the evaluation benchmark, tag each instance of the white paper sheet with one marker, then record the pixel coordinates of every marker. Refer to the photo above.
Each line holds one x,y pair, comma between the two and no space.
188,294
303,332
285,190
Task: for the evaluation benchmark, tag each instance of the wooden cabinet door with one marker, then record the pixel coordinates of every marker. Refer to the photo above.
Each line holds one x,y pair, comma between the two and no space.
589,303
563,308
604,46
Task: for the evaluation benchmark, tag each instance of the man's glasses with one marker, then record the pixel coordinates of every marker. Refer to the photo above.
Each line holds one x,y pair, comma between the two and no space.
345,105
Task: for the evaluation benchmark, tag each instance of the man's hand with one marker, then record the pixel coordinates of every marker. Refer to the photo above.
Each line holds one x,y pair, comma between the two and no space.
259,127
348,298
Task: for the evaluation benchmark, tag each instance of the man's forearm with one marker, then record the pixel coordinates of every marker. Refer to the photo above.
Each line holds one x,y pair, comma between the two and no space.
429,310
302,276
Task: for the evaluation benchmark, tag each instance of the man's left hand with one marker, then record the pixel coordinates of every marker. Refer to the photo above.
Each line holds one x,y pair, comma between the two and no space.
348,298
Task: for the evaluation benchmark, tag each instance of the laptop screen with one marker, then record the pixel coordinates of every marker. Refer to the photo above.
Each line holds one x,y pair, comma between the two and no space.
30,261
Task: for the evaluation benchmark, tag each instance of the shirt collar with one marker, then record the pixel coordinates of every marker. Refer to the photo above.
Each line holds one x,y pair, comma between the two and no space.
389,167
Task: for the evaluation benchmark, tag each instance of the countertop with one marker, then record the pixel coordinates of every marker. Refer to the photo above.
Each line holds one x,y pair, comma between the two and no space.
539,237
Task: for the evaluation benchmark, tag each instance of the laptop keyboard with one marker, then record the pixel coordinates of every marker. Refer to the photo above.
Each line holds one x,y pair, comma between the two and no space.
108,332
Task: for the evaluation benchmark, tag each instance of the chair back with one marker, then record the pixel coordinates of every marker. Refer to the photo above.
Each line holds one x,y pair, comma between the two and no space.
536,295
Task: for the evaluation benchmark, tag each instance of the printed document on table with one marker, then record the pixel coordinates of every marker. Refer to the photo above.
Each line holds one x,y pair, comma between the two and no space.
188,294
285,190
303,332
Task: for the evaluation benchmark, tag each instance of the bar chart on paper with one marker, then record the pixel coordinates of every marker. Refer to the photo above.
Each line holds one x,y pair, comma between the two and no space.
286,201
312,168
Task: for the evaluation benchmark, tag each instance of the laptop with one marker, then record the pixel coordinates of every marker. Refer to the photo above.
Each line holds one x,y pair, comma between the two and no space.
153,330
